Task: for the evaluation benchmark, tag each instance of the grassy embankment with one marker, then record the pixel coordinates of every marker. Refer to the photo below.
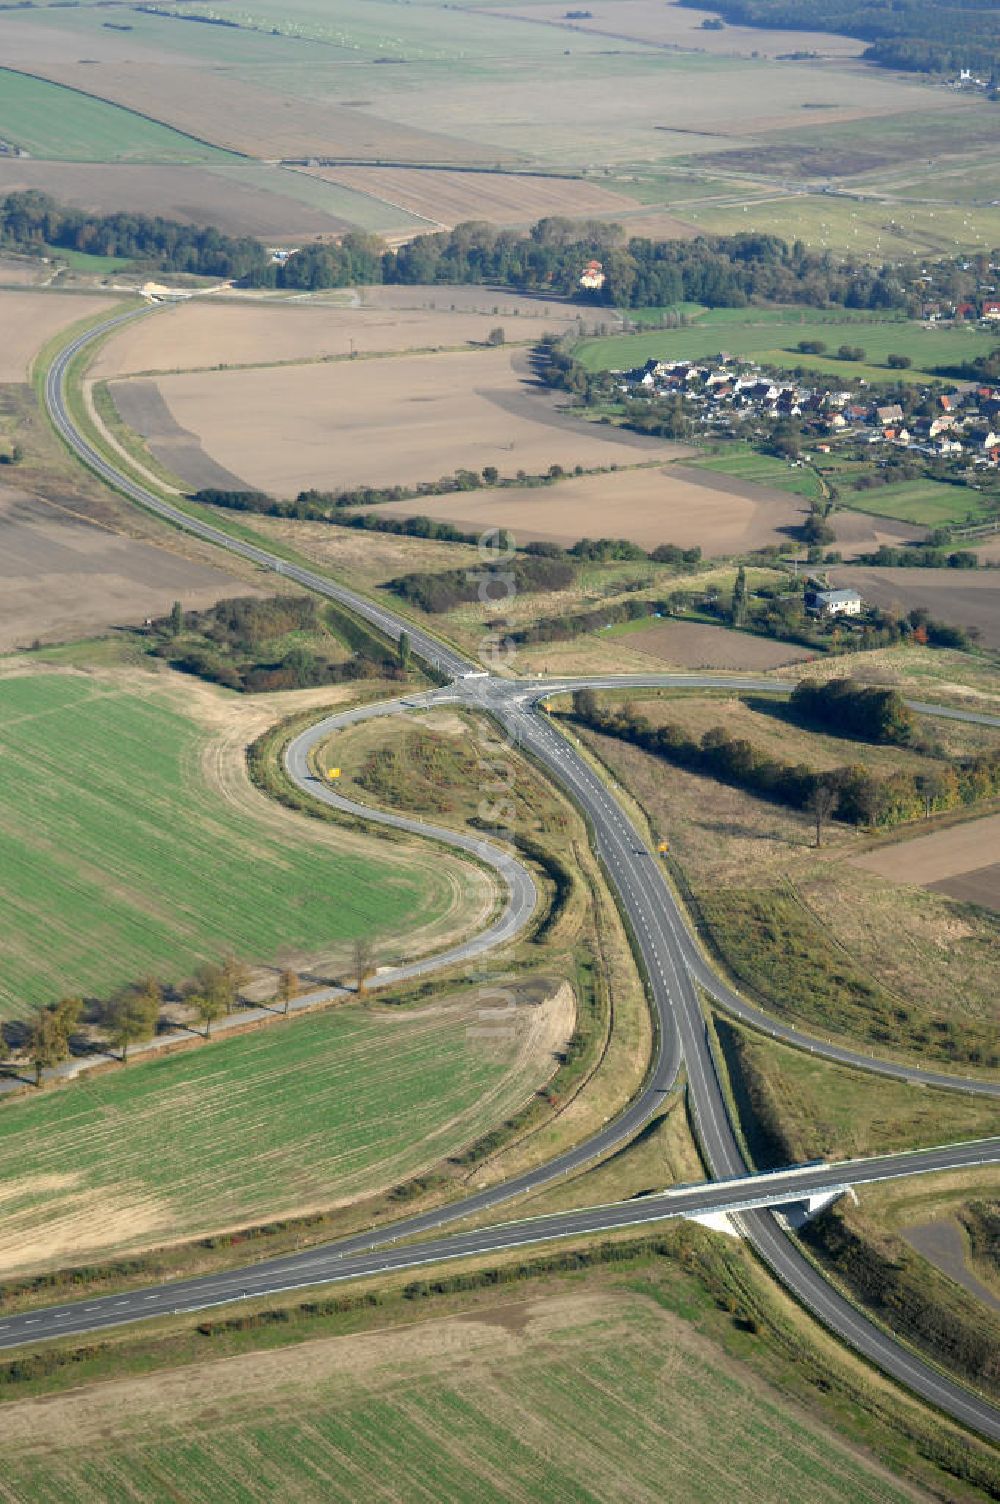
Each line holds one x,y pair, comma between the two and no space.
811,937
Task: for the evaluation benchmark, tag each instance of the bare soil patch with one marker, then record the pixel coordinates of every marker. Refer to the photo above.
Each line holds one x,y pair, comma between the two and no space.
689,644
960,857
981,886
861,533
13,272
63,576
451,198
960,597
669,504
28,319
384,422
140,406
195,335
478,298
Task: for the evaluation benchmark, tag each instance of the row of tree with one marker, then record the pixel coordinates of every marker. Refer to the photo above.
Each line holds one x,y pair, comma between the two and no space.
32,221
714,270
856,794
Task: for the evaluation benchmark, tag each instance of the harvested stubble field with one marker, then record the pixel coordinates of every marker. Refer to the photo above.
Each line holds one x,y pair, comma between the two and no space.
295,1117
133,842
28,319
463,86
960,861
65,576
484,1405
451,198
670,504
936,957
851,226
386,422
200,335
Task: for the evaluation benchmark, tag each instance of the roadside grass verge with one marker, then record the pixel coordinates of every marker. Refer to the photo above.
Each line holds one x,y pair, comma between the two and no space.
795,1107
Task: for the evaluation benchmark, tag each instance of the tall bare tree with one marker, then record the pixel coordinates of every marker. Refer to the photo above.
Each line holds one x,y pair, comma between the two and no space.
288,986
821,804
364,962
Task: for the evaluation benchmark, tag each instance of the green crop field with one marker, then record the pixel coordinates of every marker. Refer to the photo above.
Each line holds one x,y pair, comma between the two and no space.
117,856
597,1393
299,1115
50,121
771,337
743,463
928,503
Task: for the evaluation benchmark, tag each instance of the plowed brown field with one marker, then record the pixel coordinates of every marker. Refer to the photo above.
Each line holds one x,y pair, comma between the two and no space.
403,420
502,198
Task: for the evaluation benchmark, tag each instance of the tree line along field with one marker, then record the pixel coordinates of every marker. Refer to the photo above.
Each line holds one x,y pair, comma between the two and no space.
297,1117
484,1406
771,337
119,857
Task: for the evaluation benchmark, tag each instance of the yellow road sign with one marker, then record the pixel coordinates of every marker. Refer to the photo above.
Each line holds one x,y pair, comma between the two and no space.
663,846
333,772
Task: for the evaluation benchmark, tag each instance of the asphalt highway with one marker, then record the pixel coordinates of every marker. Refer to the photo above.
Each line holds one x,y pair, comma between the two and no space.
672,961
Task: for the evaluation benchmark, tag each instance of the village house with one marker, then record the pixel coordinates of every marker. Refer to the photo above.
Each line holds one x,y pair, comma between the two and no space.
820,602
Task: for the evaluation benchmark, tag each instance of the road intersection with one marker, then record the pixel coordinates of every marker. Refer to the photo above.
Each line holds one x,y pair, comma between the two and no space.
674,966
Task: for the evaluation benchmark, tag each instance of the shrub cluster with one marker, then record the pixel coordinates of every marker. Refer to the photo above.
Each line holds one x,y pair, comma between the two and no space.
442,591
862,711
243,645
